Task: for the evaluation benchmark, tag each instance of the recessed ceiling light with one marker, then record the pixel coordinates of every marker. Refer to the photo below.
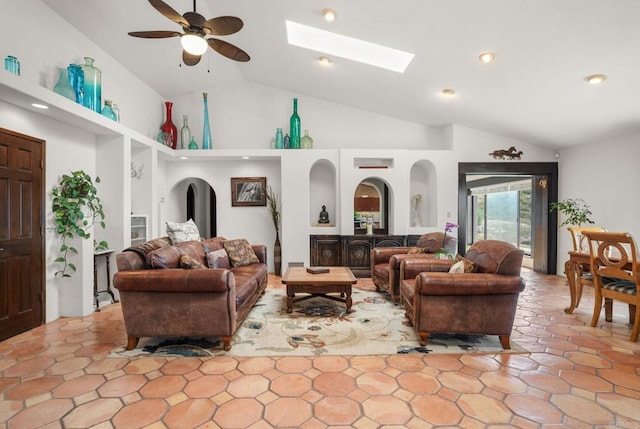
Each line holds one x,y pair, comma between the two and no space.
347,47
245,157
325,61
183,157
448,92
487,57
595,79
329,14
40,106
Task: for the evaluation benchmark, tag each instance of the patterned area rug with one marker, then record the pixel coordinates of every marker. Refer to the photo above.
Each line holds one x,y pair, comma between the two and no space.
319,326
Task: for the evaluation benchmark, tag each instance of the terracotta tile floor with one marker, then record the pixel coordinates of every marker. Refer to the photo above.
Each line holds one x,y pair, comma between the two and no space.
58,376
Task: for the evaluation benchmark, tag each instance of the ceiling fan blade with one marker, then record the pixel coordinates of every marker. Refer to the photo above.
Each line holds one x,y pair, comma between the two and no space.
154,34
169,12
223,25
190,60
195,19
228,50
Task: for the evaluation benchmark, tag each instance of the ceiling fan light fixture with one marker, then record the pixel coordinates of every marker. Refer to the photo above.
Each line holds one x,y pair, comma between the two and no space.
193,44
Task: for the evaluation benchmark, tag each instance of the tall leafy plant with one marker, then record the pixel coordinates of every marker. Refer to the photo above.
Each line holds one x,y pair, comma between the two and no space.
76,206
575,210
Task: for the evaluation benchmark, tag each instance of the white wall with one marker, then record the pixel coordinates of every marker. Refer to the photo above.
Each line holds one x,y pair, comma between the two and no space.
606,176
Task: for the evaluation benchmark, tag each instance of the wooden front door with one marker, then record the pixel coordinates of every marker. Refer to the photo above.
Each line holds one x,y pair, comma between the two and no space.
21,233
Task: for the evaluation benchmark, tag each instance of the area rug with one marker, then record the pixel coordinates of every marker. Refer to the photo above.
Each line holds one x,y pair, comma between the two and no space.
319,326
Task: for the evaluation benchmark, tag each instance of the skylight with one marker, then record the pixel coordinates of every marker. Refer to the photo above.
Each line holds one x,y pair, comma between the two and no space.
347,47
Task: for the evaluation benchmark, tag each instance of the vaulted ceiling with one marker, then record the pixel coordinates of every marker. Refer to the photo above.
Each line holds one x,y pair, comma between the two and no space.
534,91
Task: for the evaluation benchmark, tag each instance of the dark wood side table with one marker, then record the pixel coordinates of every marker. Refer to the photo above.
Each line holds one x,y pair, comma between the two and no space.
107,255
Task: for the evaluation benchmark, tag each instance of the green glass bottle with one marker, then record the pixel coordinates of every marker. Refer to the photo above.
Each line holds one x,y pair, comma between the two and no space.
294,127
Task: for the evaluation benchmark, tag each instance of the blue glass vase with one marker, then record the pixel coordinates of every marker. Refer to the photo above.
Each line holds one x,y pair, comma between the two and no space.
206,131
92,85
107,111
63,86
76,78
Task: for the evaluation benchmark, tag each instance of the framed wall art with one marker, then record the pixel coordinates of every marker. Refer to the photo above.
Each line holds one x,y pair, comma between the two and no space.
248,191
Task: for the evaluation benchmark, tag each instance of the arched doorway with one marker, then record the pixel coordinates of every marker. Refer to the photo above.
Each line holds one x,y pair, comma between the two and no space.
200,204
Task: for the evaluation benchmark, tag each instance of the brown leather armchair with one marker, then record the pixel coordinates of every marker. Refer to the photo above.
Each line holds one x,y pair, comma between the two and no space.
483,302
385,261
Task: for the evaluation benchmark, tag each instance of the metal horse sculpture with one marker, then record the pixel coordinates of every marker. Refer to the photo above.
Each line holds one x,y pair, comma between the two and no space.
510,153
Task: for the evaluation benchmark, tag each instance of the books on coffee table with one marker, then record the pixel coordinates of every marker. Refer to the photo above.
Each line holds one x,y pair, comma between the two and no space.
317,270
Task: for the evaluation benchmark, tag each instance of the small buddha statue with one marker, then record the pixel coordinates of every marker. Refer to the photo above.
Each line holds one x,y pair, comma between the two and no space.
324,215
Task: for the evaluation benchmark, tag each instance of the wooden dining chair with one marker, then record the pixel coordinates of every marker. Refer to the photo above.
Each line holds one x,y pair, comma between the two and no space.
581,244
614,267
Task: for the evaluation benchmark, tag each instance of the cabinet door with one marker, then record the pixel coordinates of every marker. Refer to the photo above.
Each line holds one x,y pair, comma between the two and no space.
325,251
357,255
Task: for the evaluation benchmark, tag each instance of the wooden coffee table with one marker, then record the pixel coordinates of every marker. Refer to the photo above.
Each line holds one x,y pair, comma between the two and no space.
337,280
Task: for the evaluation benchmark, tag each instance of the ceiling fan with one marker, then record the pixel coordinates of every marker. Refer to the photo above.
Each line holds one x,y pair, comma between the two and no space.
196,28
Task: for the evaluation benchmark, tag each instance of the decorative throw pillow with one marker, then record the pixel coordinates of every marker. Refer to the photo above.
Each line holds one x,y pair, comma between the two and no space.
181,232
415,250
469,265
457,268
240,252
218,259
189,263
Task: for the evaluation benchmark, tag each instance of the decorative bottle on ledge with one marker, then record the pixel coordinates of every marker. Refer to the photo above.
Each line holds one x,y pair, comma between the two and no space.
306,142
185,133
92,85
169,127
206,131
107,111
63,86
294,125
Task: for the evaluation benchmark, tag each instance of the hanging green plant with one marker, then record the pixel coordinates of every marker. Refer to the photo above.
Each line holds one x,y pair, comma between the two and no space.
76,206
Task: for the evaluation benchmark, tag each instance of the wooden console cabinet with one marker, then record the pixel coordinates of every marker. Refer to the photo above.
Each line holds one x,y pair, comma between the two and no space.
353,251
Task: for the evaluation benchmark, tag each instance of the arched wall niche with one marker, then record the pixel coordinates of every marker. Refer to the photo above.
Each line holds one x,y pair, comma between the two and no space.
423,210
203,204
379,212
323,191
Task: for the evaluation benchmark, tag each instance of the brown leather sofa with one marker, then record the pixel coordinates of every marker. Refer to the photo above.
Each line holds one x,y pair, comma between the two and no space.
161,299
483,302
385,261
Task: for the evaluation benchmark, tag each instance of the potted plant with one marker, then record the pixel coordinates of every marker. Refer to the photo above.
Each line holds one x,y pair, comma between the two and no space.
273,204
575,210
76,206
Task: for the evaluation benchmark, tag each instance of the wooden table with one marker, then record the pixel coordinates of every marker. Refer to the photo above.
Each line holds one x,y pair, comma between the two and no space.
107,255
337,280
573,269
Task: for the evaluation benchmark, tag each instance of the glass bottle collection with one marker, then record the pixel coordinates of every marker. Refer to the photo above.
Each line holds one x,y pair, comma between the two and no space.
168,130
81,83
292,139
